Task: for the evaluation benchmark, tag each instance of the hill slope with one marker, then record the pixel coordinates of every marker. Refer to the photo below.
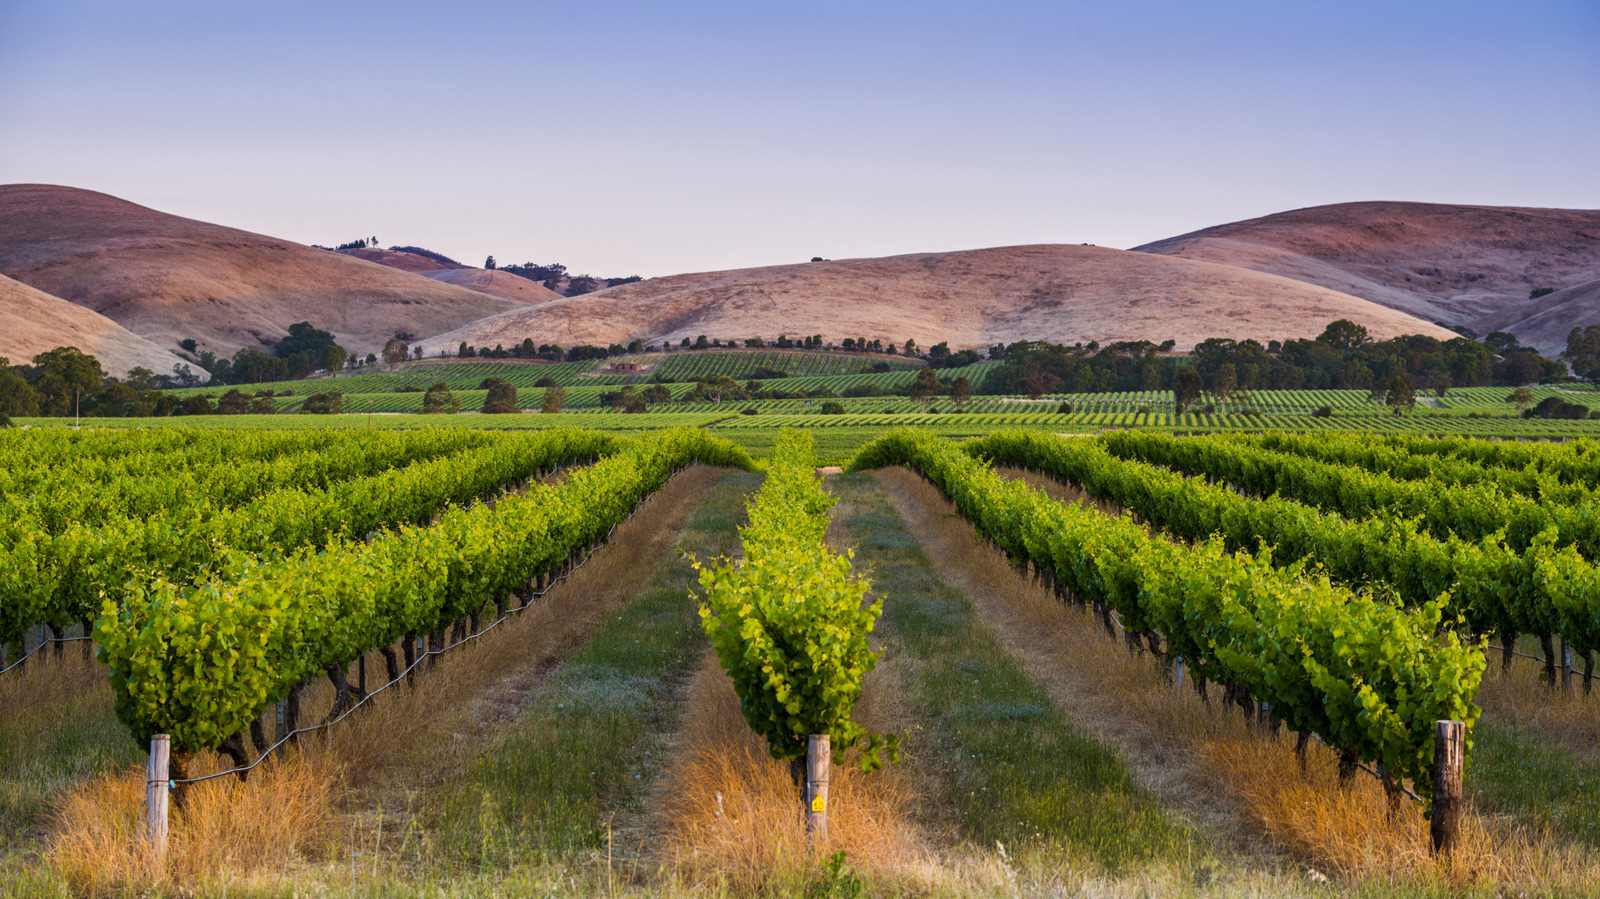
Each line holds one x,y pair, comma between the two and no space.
1544,323
1462,265
973,298
36,322
406,262
505,285
166,278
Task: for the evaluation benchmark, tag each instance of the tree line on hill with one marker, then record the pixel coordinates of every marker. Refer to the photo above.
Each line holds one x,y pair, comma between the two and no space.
1343,357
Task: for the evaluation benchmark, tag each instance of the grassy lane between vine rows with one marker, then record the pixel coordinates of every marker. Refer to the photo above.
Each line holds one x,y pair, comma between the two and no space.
1536,750
388,803
1009,771
1255,787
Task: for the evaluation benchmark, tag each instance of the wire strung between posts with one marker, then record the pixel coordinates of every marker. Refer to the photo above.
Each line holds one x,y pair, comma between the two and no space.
1315,736
171,784
1544,661
42,645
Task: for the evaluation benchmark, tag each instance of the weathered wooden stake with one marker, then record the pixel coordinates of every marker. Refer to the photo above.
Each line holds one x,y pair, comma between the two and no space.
155,793
818,760
1449,762
1178,669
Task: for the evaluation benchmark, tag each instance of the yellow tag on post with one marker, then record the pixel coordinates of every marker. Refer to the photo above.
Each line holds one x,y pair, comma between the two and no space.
819,804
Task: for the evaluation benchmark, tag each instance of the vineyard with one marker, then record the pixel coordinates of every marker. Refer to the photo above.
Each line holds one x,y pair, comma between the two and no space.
595,652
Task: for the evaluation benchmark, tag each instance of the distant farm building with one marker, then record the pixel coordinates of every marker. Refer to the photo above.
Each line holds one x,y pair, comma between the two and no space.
623,368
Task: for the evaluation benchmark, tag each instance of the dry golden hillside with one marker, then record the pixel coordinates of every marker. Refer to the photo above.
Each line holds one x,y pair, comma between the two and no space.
406,262
1462,265
166,278
36,322
505,285
974,298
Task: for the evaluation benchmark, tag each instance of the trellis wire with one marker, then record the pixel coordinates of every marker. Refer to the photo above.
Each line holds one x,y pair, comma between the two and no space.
412,667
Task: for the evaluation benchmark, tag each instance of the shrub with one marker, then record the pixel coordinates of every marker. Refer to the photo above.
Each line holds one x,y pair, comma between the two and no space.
832,407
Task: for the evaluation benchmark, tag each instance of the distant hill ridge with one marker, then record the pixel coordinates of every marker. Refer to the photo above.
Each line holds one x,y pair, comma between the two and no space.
1462,265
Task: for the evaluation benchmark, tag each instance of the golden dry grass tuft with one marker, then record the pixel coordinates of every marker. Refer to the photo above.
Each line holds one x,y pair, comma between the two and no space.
242,831
1209,763
730,813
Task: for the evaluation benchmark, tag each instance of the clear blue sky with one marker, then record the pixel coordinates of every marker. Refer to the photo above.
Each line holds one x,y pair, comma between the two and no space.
662,137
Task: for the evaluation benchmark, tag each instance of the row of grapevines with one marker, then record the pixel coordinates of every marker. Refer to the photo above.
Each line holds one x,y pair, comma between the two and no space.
1362,451
789,621
1471,512
1545,590
1363,673
1573,462
57,579
65,501
199,661
35,457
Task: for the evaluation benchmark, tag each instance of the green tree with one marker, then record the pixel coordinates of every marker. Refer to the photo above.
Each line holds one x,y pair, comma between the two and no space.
555,396
1401,397
439,400
832,407
330,403
234,402
1522,397
17,396
333,358
502,398
464,351
395,352
63,376
961,392
1344,334
1583,352
1186,387
303,338
926,385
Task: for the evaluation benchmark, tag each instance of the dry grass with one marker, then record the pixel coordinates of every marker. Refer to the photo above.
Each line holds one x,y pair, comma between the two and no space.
362,779
971,298
227,831
1521,699
730,813
1210,765
48,680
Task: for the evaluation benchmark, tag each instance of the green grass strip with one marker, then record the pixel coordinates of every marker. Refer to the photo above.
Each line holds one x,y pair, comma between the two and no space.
1015,768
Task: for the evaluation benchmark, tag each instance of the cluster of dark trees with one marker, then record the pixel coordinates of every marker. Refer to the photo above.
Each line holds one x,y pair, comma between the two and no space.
555,277
66,381
1342,357
306,349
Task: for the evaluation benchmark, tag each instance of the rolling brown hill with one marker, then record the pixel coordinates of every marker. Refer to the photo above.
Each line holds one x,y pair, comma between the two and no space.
1461,265
36,321
166,278
406,262
972,299
496,283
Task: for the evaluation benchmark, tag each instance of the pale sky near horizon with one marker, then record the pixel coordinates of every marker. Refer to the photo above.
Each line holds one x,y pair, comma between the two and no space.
655,138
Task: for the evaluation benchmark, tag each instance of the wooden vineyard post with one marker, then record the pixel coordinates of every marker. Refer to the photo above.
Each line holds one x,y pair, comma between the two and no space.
1449,763
818,759
155,793
1178,669
1566,667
